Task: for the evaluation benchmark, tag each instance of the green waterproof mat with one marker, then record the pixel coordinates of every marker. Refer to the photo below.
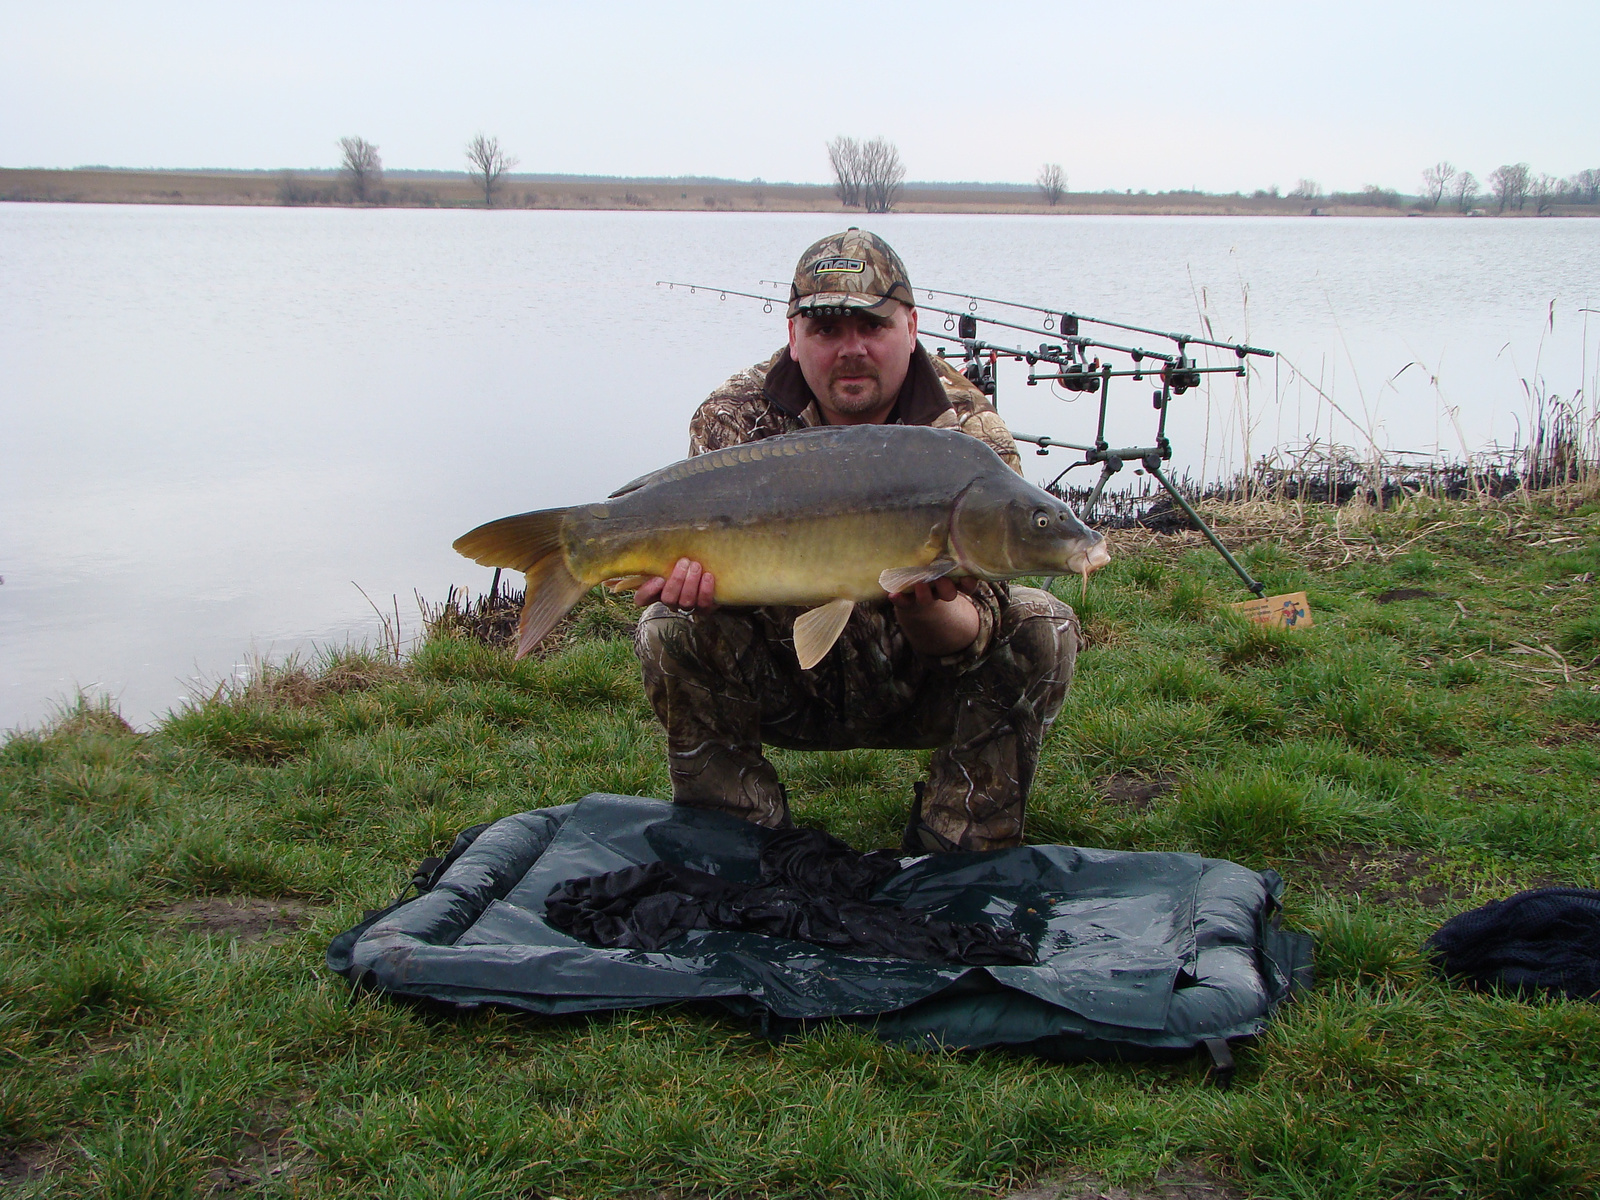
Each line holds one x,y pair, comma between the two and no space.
1137,953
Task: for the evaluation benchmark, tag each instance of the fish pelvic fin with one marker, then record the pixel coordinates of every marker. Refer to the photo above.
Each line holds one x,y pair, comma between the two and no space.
518,542
817,629
898,579
552,591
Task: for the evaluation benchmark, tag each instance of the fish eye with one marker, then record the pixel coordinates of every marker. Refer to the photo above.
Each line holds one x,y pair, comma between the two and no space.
1041,519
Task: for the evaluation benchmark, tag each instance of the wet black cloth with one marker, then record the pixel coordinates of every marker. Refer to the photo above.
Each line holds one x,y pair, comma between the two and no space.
813,888
1546,940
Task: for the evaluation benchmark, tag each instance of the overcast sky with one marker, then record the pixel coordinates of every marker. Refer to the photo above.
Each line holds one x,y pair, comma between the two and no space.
1123,93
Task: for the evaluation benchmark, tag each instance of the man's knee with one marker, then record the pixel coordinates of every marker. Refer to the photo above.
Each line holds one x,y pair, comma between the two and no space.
661,636
1041,633
717,651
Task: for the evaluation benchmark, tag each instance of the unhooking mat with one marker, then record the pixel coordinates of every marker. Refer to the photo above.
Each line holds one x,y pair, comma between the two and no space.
1136,952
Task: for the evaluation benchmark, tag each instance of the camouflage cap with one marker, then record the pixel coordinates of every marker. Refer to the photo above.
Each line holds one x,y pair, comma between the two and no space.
849,270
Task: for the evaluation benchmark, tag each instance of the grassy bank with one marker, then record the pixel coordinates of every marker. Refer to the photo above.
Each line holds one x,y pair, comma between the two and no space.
167,1028
433,191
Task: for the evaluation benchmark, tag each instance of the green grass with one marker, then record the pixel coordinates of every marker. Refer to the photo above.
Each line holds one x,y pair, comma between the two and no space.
1397,763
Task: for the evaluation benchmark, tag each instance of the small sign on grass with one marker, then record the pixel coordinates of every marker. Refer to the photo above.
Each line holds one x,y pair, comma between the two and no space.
1291,611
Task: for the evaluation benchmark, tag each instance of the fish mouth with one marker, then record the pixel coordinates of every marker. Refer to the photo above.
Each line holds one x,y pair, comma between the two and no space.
1089,558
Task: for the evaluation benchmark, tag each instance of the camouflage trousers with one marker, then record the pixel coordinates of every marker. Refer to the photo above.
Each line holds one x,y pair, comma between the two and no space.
725,683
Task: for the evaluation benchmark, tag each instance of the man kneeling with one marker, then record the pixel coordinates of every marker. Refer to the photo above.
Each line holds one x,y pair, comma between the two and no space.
975,671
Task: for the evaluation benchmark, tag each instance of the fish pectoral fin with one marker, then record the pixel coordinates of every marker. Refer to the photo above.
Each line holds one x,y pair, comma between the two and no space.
552,591
624,583
816,630
898,579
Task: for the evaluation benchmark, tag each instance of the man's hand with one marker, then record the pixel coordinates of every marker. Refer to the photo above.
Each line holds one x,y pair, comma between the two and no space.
689,588
938,618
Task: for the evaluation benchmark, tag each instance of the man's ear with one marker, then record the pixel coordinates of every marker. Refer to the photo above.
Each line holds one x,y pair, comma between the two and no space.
911,320
792,327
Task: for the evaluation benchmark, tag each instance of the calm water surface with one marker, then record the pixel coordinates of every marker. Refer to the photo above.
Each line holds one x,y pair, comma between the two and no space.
216,423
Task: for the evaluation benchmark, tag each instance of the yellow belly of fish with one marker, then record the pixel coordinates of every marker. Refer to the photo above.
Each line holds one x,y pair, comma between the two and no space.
799,563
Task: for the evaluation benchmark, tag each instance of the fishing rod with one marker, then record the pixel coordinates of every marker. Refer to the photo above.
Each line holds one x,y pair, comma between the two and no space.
1180,371
1068,323
1069,364
722,293
1081,342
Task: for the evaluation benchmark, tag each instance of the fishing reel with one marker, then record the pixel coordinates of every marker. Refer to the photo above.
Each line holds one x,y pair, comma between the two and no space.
1081,377
980,373
1180,375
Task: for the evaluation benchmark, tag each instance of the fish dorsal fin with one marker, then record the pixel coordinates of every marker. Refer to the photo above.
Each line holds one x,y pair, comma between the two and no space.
816,630
675,471
898,579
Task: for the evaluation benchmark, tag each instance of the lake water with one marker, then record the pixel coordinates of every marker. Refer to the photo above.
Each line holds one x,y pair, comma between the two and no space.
217,423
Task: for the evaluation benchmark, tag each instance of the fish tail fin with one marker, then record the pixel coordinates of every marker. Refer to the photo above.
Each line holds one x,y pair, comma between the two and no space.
531,543
518,542
552,591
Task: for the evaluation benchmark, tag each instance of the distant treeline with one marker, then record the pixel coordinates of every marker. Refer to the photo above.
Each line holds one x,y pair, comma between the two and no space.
1510,188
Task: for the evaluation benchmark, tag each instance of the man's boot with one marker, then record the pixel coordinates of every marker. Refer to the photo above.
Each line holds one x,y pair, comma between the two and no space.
918,838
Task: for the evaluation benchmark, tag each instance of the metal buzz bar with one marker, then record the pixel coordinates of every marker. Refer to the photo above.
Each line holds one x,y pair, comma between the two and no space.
1177,374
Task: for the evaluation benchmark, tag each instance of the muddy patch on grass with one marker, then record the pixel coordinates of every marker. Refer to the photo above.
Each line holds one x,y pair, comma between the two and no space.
1134,791
241,918
1381,876
1180,1183
259,1165
264,1156
30,1163
1568,733
1394,595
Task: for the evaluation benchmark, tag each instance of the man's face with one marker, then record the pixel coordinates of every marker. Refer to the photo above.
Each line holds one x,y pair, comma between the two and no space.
856,363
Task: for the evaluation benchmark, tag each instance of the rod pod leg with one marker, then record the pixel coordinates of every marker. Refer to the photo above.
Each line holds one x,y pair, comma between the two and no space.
1153,465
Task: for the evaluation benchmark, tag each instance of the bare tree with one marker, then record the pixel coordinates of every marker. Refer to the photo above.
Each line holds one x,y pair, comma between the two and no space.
1435,180
1524,186
486,162
1545,190
1585,186
362,167
844,156
1509,183
882,173
1306,189
1052,183
1465,190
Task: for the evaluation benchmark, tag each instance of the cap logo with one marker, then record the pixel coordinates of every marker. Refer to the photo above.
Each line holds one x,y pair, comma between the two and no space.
839,264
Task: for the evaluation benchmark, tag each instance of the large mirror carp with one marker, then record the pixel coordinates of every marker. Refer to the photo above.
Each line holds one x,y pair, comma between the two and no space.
824,518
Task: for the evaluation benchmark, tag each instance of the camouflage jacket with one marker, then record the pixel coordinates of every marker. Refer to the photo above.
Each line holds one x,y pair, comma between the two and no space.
772,397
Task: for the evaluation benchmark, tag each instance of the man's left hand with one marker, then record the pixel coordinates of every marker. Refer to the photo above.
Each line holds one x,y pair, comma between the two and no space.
938,618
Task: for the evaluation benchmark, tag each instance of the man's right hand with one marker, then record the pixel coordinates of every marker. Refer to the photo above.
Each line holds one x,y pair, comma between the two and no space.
689,588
